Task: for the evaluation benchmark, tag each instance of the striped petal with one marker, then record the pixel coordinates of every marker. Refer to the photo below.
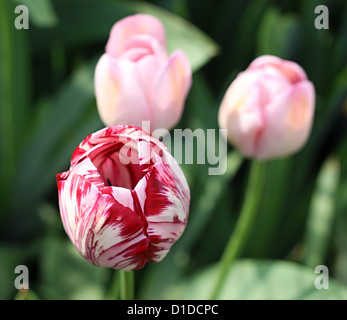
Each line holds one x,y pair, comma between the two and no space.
164,197
123,215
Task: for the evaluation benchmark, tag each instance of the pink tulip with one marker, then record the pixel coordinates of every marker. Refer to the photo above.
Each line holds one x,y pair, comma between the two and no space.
124,200
136,80
268,109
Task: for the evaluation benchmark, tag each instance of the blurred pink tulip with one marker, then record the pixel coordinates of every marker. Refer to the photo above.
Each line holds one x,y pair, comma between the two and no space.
124,201
136,80
268,109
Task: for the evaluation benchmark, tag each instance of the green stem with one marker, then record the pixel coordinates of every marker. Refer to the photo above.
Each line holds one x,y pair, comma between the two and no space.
127,283
114,290
243,226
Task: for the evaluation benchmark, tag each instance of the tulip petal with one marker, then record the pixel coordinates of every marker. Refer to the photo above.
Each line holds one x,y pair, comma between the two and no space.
241,112
123,237
131,26
104,228
170,91
164,196
78,198
148,67
120,97
289,121
137,220
291,70
130,136
141,46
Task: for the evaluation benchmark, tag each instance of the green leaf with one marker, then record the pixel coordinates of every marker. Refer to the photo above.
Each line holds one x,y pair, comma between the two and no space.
259,280
71,117
181,34
41,12
278,34
14,85
101,14
322,215
66,275
10,257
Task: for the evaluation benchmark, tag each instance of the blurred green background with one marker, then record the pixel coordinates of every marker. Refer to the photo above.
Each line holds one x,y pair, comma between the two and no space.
47,106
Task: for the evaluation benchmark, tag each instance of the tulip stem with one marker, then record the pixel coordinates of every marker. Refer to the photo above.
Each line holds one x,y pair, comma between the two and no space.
243,226
127,283
114,289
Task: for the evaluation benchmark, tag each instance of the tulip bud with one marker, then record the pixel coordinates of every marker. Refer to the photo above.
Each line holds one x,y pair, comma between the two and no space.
124,200
136,80
268,109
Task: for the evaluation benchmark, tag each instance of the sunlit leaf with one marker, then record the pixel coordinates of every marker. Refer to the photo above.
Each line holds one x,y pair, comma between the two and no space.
260,280
182,35
322,215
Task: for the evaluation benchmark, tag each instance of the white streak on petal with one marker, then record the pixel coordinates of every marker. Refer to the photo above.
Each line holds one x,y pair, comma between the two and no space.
123,196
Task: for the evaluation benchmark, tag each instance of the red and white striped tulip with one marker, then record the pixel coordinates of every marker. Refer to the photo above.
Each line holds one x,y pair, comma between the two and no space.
136,80
268,109
124,200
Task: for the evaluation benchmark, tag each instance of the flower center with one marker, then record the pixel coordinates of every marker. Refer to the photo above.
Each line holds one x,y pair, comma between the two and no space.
138,47
118,166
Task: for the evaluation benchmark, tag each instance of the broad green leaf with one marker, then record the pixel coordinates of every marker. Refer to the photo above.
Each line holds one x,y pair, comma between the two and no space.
180,34
322,215
259,280
14,85
278,34
41,12
66,275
